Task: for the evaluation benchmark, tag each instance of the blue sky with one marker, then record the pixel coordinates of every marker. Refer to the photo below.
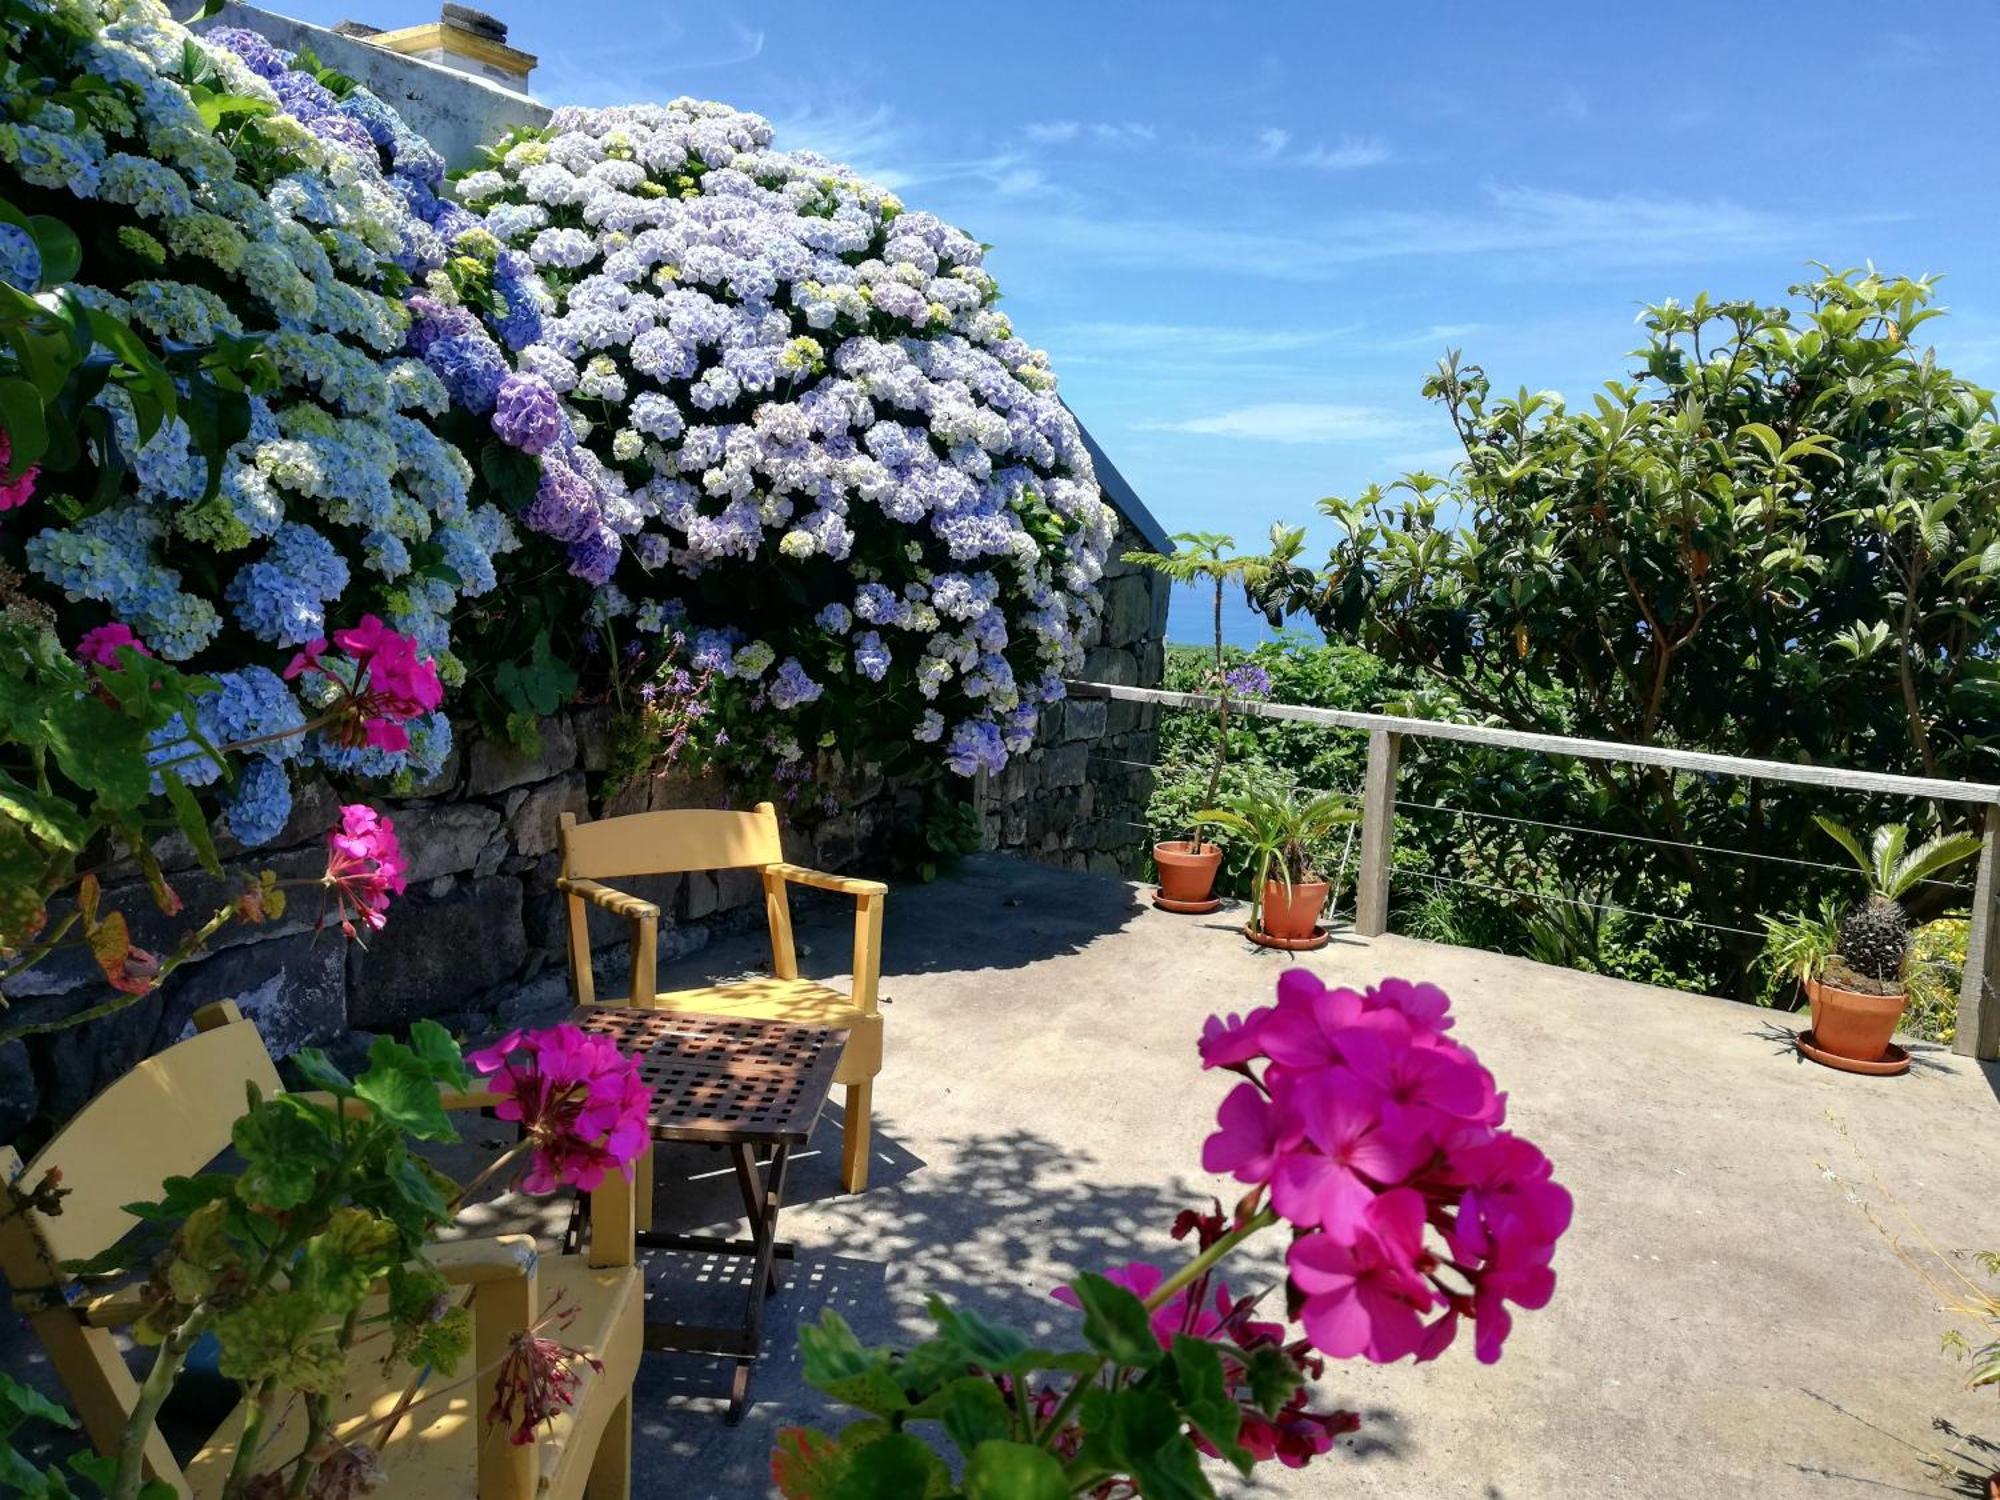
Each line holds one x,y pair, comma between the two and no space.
1244,233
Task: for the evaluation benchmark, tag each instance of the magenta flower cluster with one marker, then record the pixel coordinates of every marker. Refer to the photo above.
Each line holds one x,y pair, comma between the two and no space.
1378,1138
579,1099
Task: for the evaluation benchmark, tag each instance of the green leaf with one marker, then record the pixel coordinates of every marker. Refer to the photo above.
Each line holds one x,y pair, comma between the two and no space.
837,1363
1115,1323
31,1403
972,1410
188,814
1271,1377
27,428
62,252
1205,1398
340,1262
317,1069
285,1146
439,1054
181,1197
1136,1430
403,1090
283,1337
515,476
1014,1471
895,1466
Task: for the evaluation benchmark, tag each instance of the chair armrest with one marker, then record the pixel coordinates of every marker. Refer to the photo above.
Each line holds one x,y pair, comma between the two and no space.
472,1262
846,885
616,902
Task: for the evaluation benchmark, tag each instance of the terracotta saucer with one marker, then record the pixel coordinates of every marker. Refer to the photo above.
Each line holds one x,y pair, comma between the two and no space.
1894,1061
1319,939
1188,908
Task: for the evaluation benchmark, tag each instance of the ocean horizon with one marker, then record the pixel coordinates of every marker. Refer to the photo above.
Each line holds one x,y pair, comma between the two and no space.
1191,618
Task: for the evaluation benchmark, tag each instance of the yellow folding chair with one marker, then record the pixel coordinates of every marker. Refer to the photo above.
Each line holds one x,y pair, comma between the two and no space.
171,1116
673,843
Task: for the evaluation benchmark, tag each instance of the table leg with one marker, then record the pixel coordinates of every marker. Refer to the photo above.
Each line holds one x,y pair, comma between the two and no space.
762,1199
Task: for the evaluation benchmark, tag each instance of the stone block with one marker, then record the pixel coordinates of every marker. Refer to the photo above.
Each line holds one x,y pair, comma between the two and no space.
496,766
1085,718
533,822
1115,665
1128,609
593,735
700,900
80,1061
1065,765
315,806
443,838
542,1001
435,955
293,988
837,843
737,888
453,768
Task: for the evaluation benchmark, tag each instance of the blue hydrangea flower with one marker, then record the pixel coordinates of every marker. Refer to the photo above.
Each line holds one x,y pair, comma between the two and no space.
260,803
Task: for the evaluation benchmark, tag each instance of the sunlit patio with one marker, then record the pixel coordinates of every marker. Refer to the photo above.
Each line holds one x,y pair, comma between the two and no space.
1726,1314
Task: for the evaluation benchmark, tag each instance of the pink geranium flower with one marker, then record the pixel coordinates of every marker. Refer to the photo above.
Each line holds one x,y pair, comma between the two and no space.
21,488
1367,1297
100,646
386,684
364,867
1227,1041
1301,1030
581,1101
1359,1153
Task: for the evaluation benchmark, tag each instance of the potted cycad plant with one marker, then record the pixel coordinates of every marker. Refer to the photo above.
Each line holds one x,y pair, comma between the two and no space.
1859,992
1284,830
1187,867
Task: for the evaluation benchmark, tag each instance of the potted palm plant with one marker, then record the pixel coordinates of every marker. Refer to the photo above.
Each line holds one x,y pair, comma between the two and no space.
1187,867
1859,991
1284,830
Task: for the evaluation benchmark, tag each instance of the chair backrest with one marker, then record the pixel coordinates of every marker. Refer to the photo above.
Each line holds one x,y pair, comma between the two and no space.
170,1116
671,843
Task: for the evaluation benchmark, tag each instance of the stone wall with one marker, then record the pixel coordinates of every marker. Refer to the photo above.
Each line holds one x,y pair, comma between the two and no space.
1078,799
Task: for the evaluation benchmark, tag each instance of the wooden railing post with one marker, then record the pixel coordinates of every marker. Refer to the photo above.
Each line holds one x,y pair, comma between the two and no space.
1378,833
1979,991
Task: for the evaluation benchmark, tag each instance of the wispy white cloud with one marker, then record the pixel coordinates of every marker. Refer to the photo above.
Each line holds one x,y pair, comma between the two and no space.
1274,145
876,144
1507,225
1294,422
1431,460
640,68
1100,132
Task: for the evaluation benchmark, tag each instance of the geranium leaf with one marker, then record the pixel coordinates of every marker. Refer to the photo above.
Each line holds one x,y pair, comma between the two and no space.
1205,1398
188,814
1014,1471
403,1090
894,1466
1115,1323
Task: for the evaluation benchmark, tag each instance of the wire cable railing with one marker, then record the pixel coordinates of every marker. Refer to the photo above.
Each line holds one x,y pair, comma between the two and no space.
1978,1032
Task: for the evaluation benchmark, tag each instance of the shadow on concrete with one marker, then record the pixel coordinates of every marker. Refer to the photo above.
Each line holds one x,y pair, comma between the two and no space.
993,1221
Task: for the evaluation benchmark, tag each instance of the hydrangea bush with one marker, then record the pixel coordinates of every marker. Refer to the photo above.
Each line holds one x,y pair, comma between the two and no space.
225,538
799,436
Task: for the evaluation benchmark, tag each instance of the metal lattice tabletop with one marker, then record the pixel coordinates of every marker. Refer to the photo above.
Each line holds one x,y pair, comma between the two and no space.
725,1078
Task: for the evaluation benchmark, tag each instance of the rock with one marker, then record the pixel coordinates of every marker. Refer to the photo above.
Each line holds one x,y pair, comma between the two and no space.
443,838
737,888
293,988
593,735
1065,765
540,1002
701,900
1113,665
837,843
1084,718
1128,609
495,766
437,953
83,1059
440,886
532,824
19,1093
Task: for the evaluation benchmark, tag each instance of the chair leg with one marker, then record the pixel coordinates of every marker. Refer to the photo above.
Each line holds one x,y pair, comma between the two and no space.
642,1190
854,1139
611,1465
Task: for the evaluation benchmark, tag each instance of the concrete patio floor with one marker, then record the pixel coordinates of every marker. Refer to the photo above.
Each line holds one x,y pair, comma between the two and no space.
1727,1321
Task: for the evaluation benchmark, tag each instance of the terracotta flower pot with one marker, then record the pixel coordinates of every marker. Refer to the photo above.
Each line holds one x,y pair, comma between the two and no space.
1295,913
1848,1023
1187,875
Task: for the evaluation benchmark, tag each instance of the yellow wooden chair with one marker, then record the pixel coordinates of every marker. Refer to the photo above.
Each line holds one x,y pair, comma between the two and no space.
171,1115
673,843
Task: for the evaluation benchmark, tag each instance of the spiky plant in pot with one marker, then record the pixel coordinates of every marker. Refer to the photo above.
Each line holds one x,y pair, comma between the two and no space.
1875,932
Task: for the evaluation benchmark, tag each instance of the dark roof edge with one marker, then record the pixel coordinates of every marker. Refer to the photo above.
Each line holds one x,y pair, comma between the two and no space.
1123,498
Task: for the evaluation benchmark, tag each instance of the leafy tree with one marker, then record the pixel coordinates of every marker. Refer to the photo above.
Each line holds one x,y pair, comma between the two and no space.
1779,538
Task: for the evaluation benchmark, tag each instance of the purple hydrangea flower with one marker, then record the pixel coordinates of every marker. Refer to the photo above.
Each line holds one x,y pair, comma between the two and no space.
526,413
976,746
792,686
471,367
